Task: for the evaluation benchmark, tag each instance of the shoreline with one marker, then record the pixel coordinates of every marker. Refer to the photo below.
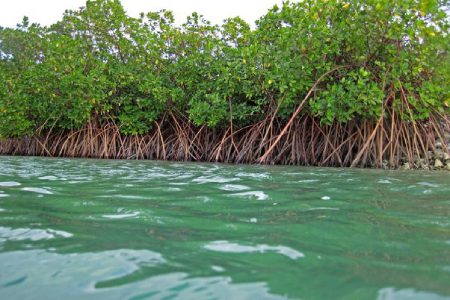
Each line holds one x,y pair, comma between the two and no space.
306,143
401,168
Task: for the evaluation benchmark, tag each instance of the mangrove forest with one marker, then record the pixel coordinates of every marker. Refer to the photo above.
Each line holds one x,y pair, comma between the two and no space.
324,83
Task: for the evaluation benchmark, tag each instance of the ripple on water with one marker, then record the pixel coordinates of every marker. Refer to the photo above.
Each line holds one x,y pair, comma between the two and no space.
178,183
234,187
119,196
110,275
122,216
228,247
9,184
254,175
184,176
391,293
384,181
428,184
308,181
51,178
213,179
321,208
37,190
258,195
217,268
20,234
205,199
97,267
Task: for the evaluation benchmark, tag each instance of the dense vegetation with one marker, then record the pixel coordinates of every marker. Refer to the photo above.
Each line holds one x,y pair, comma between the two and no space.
341,67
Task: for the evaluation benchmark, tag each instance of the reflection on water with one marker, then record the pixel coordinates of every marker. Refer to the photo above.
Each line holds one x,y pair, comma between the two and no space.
140,230
404,294
19,234
224,246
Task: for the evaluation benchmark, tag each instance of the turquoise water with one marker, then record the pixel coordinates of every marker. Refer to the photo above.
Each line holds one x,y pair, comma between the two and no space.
93,229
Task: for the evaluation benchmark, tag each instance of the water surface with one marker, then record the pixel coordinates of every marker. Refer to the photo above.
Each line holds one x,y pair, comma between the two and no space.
91,229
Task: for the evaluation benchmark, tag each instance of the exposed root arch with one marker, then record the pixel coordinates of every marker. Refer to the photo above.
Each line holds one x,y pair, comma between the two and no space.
388,141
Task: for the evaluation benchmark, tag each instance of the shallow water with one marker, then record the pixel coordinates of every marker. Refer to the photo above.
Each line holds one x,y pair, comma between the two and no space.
157,230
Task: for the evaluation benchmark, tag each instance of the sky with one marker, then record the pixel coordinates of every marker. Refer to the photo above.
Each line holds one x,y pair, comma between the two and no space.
47,12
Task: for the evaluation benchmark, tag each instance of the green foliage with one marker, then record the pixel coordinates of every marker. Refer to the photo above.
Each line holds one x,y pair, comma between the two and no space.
99,63
353,95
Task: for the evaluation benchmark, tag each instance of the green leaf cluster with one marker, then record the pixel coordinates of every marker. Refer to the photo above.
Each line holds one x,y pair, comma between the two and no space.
98,63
